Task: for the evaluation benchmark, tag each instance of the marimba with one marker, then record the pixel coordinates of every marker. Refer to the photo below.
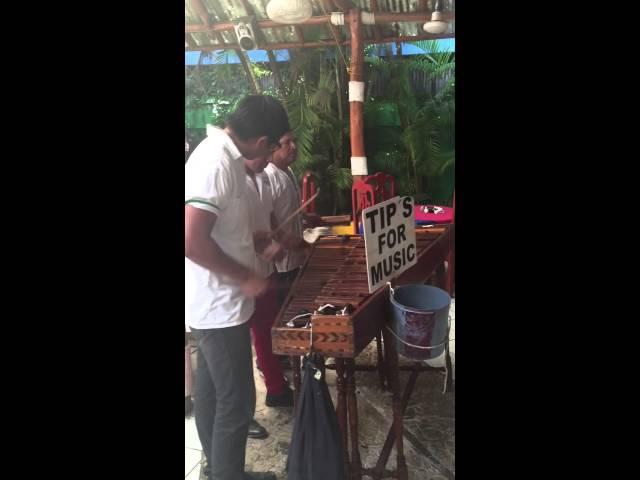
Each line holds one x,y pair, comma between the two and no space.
335,273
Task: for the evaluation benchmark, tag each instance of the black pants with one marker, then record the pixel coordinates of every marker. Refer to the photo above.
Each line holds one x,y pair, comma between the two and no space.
285,280
225,398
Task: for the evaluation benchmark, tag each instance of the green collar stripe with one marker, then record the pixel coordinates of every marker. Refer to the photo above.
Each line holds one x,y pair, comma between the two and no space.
202,202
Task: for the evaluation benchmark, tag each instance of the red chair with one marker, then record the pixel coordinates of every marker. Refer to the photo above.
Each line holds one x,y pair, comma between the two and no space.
308,191
384,185
362,196
369,191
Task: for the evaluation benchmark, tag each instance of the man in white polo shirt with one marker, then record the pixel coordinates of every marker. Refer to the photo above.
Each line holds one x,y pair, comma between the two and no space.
286,200
221,282
262,218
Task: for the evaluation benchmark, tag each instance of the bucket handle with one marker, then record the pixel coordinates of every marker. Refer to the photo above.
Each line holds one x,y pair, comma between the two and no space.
391,289
420,346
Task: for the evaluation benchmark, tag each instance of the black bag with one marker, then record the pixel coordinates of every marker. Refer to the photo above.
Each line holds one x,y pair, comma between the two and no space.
315,452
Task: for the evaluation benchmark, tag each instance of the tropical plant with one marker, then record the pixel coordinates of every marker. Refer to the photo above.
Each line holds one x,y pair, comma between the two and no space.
423,149
315,107
417,147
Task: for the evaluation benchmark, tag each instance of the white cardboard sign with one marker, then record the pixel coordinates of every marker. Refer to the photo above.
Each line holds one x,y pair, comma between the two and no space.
390,240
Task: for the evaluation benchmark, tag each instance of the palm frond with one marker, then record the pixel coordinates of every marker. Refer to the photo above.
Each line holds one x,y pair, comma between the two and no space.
322,96
434,51
341,177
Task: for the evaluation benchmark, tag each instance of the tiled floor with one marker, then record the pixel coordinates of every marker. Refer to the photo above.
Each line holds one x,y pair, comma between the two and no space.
192,450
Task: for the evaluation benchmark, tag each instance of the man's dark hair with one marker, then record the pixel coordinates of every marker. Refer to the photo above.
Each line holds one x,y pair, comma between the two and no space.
257,116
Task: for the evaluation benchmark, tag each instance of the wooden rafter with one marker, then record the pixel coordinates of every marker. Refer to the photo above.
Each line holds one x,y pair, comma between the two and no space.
326,6
191,42
382,17
344,5
421,7
327,43
220,13
377,32
203,13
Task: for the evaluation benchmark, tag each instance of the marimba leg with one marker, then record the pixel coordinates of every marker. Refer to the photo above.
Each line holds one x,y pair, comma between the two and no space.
444,279
391,357
352,404
380,361
341,407
449,369
451,262
295,369
441,277
379,470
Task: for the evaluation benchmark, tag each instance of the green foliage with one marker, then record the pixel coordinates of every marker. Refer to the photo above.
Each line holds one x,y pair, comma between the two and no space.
415,141
422,149
217,88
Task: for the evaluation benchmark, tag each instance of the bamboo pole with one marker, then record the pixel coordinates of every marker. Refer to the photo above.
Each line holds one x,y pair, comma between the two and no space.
356,108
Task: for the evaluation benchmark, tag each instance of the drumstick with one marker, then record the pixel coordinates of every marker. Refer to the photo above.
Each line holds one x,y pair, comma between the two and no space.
293,215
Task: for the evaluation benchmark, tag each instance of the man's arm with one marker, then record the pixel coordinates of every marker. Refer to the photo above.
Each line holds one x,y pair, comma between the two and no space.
200,248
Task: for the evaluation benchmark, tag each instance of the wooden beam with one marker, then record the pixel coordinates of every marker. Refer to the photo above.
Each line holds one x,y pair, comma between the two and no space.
191,42
335,31
327,6
377,32
391,17
421,7
343,5
223,26
329,43
382,17
203,13
356,74
201,10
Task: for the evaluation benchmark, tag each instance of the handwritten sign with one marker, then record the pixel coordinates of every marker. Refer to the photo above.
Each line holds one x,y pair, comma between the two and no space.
390,240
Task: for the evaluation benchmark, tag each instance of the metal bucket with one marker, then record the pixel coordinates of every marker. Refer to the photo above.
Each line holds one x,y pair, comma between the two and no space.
420,320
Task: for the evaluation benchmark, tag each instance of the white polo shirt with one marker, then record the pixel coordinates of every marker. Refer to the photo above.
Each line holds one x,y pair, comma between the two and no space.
260,209
215,181
286,200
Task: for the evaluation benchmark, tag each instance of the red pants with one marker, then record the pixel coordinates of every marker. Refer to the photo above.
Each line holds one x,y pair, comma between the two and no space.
260,323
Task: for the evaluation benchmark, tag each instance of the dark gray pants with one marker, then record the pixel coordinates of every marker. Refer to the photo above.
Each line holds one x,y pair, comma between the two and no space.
224,398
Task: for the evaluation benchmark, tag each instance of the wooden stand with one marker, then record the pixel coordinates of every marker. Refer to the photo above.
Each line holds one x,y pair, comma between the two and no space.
344,338
347,409
347,405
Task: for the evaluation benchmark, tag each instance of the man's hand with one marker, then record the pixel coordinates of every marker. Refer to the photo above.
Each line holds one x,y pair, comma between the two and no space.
273,251
254,285
261,240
